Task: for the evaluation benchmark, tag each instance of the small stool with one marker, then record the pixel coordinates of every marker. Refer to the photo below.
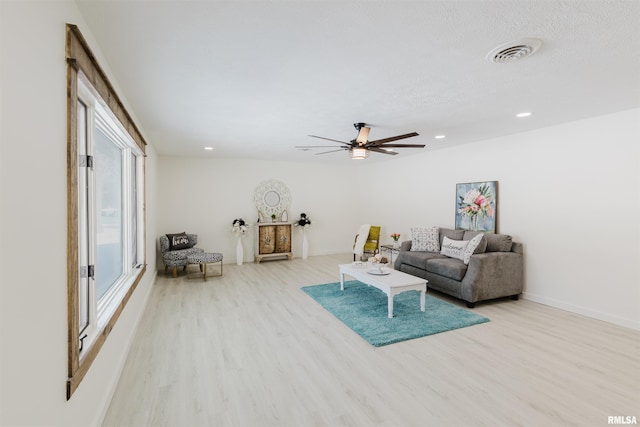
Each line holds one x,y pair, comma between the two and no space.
202,259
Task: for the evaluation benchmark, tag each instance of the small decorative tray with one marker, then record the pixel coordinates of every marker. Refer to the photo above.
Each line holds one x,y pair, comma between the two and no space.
380,271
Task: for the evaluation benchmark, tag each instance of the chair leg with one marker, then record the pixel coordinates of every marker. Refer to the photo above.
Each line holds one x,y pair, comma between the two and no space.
175,271
166,267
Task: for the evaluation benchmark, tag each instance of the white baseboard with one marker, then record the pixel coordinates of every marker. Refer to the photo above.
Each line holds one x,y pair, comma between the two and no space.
330,252
607,317
115,379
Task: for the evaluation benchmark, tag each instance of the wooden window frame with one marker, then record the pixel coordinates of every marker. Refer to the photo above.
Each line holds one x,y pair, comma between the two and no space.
79,58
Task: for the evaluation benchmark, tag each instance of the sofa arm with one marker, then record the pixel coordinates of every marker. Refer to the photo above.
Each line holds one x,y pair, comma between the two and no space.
493,275
164,243
517,248
404,247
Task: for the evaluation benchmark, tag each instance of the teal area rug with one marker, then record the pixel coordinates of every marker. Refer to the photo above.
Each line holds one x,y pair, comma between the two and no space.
363,308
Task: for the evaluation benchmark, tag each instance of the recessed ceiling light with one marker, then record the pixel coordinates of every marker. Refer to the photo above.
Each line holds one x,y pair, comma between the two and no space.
440,136
208,148
524,114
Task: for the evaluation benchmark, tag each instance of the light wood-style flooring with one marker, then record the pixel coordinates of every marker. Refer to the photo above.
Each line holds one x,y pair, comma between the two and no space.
251,349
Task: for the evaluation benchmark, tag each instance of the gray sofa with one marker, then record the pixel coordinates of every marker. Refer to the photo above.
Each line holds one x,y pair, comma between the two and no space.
495,269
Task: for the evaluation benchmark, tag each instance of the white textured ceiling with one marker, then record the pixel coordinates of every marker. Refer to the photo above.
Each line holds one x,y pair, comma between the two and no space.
253,79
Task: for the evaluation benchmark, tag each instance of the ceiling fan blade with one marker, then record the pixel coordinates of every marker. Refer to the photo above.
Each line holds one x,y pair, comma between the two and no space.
363,134
404,145
329,139
391,139
332,151
381,150
318,146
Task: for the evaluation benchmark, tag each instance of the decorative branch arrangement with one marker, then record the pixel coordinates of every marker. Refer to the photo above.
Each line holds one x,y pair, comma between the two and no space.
239,227
304,221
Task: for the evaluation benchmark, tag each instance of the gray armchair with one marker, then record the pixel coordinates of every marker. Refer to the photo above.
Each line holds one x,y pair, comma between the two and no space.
177,257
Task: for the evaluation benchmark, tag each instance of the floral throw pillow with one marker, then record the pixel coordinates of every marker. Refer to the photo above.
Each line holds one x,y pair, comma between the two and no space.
425,239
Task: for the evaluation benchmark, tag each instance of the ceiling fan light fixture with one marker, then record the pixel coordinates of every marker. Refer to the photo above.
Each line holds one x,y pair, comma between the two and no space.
363,134
359,153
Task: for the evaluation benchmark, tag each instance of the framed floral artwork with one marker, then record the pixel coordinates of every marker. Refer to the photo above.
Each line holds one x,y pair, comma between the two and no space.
476,204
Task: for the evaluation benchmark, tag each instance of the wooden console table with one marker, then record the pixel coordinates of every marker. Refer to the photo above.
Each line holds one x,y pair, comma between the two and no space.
273,240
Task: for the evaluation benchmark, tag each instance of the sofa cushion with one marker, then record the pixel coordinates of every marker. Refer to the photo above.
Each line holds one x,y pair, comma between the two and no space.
178,241
450,233
447,267
418,259
425,239
180,254
482,246
498,242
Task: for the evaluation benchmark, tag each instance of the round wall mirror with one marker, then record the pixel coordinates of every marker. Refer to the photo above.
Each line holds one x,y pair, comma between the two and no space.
272,197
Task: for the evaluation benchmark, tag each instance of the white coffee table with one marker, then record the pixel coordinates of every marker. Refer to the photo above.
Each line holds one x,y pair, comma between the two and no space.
391,284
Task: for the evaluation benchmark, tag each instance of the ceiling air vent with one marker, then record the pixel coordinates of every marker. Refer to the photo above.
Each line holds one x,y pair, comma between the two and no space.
513,51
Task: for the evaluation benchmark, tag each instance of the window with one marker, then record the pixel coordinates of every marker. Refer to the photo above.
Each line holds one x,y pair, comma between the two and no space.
107,213
106,251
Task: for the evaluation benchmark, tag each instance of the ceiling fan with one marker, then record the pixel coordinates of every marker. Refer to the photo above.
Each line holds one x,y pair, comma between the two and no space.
360,147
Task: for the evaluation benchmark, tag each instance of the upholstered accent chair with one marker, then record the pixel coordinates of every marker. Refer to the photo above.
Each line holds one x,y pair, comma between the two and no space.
371,244
177,257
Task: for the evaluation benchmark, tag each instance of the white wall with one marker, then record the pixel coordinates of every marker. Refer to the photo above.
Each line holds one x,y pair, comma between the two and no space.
204,196
570,193
33,250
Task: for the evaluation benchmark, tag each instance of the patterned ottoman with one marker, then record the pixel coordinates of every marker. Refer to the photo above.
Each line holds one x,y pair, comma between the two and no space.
202,259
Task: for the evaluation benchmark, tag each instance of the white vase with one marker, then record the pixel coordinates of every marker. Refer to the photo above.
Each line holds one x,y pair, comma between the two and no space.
239,251
305,244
